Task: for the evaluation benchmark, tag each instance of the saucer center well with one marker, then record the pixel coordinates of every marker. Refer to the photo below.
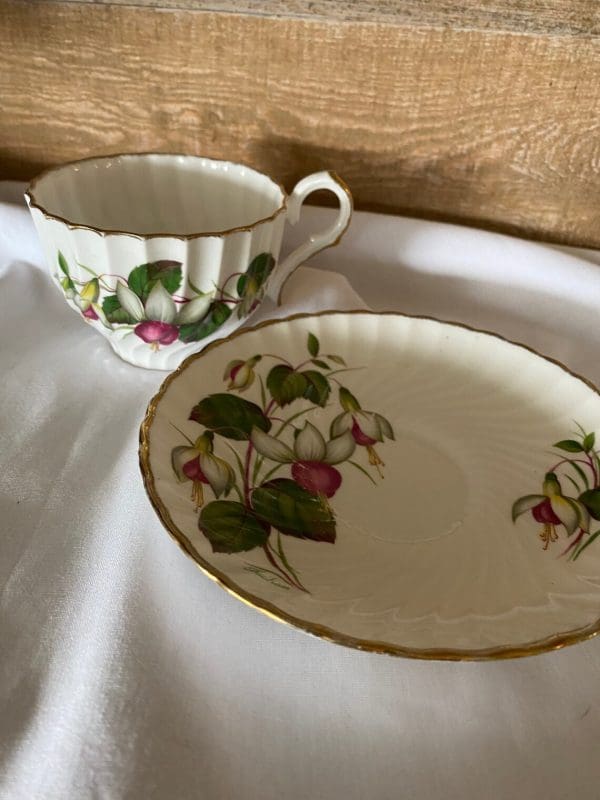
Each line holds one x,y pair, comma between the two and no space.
422,497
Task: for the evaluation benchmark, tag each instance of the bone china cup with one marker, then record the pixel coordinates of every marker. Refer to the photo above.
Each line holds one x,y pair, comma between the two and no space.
162,253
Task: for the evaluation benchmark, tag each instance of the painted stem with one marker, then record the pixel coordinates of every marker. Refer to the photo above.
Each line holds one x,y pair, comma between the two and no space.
271,552
249,458
278,358
594,471
233,275
226,297
289,421
575,461
247,474
284,559
287,578
236,488
238,460
90,271
248,455
187,438
272,472
574,543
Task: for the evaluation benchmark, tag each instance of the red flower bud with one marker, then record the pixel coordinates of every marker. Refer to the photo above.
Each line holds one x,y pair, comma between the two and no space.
193,471
360,437
316,477
160,332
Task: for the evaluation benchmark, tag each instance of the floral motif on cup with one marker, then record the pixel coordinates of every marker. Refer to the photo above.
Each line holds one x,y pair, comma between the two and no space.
286,469
569,501
149,304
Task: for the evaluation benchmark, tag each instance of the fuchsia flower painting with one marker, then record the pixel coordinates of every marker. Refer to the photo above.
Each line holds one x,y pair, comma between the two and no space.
148,303
284,482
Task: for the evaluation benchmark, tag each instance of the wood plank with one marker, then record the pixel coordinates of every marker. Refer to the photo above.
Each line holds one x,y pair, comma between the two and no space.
487,127
564,17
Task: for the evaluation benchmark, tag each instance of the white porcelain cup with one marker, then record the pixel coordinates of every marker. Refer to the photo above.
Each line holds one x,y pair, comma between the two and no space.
164,253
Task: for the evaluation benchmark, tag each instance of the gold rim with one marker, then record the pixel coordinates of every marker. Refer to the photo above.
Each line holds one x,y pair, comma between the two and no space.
553,642
33,203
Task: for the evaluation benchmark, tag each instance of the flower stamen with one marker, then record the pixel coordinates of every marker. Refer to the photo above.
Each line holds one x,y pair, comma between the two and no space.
548,534
374,460
197,494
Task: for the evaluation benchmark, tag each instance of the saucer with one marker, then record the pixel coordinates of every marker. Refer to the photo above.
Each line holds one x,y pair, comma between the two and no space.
391,483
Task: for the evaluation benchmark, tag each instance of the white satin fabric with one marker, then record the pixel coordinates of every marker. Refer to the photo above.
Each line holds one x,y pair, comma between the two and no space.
125,673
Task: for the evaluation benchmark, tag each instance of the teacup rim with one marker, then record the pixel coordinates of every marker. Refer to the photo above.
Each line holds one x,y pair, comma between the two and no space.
105,232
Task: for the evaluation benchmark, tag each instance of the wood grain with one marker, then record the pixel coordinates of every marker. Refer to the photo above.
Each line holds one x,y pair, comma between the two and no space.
574,17
484,126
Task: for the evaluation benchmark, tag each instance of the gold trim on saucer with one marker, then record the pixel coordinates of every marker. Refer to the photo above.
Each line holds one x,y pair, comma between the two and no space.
33,203
553,642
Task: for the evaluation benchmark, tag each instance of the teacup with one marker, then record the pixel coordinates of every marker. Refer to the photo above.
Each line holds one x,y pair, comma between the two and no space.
163,253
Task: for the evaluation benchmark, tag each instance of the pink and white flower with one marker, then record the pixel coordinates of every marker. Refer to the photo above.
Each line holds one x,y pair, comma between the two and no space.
240,374
198,464
87,299
311,457
158,319
367,427
551,509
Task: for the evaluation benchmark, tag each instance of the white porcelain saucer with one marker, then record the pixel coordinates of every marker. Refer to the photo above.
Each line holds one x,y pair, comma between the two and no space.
395,484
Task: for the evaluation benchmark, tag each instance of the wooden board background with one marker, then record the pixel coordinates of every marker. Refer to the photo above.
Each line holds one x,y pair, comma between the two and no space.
484,113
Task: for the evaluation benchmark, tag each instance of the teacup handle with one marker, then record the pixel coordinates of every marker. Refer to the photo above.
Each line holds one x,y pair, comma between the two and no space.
318,241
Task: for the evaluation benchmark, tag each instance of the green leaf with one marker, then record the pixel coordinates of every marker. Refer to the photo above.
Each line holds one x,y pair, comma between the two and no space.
591,500
318,389
238,460
138,280
241,284
318,363
263,393
285,384
261,267
289,420
364,472
574,483
194,331
110,304
230,416
581,473
167,272
114,313
313,345
337,360
67,285
62,263
570,445
230,527
257,465
195,288
252,298
585,544
292,510
142,278
256,275
589,441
